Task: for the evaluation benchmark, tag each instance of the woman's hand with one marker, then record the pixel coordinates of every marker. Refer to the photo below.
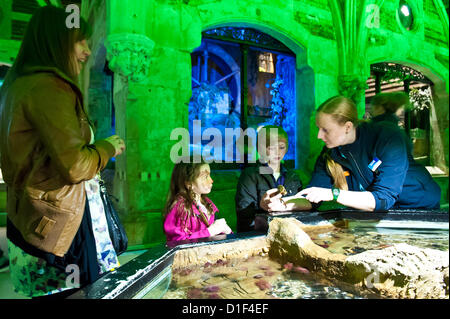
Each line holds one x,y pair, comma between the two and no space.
219,227
117,143
316,194
359,200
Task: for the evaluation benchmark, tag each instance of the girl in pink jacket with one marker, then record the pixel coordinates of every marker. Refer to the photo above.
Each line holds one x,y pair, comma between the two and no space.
189,214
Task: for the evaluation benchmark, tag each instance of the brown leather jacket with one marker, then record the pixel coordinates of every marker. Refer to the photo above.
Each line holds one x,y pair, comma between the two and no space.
46,157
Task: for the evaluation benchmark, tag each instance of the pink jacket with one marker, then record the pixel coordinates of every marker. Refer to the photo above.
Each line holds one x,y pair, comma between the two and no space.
175,229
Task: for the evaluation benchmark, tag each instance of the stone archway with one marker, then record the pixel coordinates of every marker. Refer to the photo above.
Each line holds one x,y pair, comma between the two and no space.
439,114
304,78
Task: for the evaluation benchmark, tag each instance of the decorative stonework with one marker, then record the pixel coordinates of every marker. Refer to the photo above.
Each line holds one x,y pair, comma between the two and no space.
129,54
352,87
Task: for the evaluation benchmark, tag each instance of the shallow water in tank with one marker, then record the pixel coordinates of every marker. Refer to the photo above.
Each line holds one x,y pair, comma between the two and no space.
259,277
352,237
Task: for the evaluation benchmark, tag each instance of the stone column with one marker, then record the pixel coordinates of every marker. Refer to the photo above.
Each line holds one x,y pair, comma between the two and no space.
129,57
152,88
304,79
353,87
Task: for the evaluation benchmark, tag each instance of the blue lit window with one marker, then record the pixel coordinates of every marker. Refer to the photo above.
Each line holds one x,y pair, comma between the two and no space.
218,96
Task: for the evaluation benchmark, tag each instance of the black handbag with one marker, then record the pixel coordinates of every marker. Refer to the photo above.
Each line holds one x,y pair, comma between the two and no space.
116,230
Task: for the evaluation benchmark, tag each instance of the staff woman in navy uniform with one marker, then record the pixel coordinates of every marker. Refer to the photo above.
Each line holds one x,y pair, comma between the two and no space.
366,166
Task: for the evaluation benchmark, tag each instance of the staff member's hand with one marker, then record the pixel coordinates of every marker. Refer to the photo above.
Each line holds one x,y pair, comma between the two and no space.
316,194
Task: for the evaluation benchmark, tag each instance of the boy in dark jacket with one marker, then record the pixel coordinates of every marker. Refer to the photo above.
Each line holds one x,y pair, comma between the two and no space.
257,190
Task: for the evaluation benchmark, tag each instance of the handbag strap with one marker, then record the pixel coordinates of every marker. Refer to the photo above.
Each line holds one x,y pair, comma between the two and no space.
104,191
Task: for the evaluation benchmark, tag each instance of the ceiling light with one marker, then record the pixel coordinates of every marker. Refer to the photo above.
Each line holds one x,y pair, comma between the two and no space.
405,10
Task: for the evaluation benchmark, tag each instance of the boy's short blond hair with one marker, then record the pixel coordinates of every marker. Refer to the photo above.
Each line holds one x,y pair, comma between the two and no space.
267,132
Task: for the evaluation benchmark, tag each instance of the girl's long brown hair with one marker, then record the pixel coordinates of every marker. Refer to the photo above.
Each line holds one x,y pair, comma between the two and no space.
342,110
182,174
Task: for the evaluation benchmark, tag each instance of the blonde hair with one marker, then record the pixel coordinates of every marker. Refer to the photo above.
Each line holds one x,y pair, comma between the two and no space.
342,110
266,135
336,171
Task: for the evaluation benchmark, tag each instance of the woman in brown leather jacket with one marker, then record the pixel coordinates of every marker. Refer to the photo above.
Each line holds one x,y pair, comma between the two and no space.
57,239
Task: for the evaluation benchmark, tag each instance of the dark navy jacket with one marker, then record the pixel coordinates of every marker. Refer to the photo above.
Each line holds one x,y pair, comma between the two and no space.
251,187
399,182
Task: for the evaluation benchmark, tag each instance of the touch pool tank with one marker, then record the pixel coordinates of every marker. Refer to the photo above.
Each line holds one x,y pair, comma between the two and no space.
239,266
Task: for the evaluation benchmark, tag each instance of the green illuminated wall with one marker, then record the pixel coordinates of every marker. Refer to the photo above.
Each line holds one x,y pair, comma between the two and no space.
334,49
335,43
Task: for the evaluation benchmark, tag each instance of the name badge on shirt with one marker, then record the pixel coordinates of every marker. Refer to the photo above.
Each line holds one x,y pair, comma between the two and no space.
374,164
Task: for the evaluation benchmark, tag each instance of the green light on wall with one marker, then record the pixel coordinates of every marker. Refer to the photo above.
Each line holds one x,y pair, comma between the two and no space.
405,15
